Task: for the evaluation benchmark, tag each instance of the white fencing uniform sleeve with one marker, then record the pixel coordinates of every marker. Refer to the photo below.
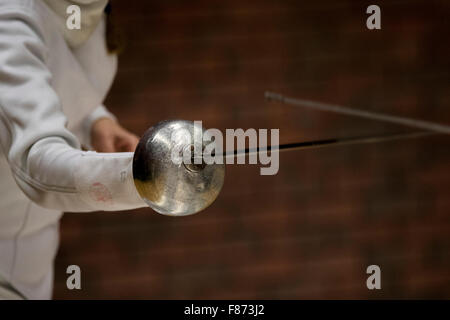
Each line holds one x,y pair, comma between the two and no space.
44,156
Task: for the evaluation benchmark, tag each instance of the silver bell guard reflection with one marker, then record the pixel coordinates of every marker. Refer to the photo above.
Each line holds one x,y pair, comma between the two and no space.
169,187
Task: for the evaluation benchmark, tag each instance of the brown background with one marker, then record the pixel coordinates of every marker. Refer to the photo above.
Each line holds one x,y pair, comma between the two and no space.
311,230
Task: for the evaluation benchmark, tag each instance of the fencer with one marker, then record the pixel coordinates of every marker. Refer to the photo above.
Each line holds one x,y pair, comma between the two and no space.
52,85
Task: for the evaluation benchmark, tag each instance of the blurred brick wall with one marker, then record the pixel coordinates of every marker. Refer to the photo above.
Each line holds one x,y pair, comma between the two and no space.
311,230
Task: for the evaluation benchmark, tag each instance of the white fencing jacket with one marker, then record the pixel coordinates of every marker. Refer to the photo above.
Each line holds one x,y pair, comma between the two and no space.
50,95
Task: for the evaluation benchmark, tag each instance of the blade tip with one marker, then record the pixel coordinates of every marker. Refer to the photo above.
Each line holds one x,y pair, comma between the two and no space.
272,96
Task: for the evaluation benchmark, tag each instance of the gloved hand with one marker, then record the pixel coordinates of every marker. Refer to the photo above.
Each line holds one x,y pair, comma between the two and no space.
107,135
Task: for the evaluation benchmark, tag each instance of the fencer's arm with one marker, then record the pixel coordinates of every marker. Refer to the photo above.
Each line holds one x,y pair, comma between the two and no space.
44,156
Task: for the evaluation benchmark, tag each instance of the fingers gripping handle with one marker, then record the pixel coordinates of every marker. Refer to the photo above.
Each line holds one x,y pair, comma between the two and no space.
105,181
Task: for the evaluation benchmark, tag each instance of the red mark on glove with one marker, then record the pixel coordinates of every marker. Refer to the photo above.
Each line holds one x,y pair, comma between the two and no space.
100,193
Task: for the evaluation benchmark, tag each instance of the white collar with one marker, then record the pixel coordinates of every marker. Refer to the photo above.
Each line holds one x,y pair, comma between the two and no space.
91,14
